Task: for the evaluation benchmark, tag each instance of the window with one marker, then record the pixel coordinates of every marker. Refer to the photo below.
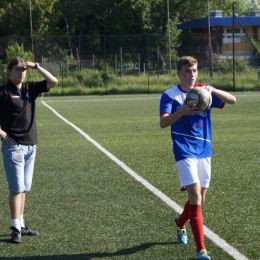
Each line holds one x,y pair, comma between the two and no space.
227,35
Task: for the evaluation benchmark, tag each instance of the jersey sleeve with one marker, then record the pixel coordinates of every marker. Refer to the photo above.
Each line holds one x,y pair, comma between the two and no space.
216,101
165,104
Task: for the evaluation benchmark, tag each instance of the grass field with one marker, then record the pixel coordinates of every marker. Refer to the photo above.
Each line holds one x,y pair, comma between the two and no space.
86,204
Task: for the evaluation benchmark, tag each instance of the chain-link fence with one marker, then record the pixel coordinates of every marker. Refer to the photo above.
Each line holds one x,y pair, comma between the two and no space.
137,54
136,51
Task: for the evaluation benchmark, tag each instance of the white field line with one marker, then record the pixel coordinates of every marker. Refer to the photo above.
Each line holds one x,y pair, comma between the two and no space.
100,99
210,234
238,94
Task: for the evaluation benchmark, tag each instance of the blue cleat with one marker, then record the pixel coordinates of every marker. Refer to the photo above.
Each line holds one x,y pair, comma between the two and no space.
202,255
181,234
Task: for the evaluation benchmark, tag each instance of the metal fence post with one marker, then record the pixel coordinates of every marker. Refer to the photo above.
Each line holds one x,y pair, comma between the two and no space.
105,63
62,75
121,62
234,67
147,60
158,61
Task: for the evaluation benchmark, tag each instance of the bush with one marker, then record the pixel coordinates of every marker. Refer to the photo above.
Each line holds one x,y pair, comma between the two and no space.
241,65
94,80
55,73
98,78
227,66
80,79
224,66
107,73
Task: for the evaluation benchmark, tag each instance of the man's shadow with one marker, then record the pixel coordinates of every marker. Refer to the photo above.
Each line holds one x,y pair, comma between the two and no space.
128,251
89,256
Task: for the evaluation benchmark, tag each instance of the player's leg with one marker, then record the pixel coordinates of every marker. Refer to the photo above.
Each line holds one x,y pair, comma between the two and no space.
187,170
22,209
196,219
185,216
14,168
191,176
30,154
197,194
180,224
203,194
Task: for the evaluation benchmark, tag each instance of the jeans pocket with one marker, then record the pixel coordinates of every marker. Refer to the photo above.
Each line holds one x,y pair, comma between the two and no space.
13,147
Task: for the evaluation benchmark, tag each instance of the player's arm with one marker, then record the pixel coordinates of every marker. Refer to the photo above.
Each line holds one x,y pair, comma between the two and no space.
51,80
224,96
167,119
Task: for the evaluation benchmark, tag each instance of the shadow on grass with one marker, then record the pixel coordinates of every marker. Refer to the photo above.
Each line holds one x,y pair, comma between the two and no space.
88,256
5,240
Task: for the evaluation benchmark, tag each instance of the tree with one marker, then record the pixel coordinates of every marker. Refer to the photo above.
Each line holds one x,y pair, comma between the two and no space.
190,10
13,51
15,18
119,18
85,25
254,4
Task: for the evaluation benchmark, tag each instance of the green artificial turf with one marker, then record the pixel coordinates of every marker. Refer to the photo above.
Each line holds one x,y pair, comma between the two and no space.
86,206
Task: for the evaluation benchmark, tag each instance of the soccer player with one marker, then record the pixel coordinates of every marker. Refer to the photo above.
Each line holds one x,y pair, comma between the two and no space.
19,136
192,146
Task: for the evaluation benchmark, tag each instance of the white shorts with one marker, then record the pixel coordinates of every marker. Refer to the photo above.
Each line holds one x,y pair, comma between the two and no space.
193,170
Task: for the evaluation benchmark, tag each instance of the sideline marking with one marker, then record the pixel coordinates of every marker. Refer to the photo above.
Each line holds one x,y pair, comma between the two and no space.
153,96
210,234
100,99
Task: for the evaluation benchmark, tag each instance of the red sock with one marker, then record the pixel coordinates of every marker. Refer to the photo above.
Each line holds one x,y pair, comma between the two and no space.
196,222
185,215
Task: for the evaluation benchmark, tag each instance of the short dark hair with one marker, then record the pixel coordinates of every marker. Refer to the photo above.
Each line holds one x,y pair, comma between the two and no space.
186,60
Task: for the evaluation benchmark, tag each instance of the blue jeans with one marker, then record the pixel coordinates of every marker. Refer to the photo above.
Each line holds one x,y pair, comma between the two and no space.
19,164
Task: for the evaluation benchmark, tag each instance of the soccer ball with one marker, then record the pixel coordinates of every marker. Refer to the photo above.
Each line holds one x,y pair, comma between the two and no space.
199,97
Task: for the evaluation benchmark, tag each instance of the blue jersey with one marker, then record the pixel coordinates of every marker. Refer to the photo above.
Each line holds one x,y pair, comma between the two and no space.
191,134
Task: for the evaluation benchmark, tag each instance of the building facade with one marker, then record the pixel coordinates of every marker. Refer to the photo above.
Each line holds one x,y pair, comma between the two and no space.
221,36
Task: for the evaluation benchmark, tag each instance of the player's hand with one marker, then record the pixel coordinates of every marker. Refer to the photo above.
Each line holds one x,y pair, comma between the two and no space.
187,110
27,65
6,137
208,88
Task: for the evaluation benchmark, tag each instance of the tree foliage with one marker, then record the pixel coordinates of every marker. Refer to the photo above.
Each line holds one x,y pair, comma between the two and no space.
18,50
110,17
11,52
104,17
15,17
